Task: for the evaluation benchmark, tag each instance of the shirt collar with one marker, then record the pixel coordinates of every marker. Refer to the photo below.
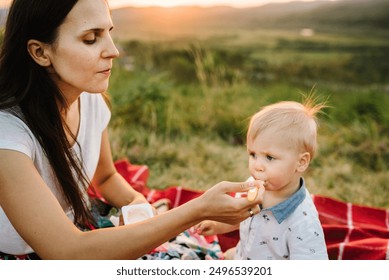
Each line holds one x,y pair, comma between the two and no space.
282,210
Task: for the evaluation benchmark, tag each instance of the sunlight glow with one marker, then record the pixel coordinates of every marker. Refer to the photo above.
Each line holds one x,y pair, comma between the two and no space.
202,3
169,4
172,3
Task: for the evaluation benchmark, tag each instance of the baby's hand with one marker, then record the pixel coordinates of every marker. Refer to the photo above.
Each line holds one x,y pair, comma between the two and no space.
206,228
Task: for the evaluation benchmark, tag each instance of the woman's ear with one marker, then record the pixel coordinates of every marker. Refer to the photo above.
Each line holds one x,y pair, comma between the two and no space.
38,52
303,163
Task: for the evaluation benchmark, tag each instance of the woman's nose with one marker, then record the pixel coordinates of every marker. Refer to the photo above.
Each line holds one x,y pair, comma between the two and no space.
110,50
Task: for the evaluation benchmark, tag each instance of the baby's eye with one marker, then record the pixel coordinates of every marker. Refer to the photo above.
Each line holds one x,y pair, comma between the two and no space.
253,155
270,158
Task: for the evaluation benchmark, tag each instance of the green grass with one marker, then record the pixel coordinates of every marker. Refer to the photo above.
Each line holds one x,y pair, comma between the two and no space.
183,109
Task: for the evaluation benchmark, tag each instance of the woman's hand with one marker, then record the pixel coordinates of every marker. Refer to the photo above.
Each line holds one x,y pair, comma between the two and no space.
218,204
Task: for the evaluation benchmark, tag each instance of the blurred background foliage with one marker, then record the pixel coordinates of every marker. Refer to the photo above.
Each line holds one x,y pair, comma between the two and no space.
182,108
189,78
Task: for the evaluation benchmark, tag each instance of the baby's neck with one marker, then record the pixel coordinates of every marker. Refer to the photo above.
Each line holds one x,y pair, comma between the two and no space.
272,198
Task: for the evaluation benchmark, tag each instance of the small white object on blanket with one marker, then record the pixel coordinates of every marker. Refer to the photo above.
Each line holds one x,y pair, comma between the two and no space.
136,213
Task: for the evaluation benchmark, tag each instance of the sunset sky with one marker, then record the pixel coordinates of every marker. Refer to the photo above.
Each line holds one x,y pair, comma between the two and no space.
171,3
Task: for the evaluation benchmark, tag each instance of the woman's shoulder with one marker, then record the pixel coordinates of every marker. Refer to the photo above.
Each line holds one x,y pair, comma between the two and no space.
12,118
15,134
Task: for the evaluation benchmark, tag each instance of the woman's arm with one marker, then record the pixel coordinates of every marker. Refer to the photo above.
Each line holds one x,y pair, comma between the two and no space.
39,219
109,183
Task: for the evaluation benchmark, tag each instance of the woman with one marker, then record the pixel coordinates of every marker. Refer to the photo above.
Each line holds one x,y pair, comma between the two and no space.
55,60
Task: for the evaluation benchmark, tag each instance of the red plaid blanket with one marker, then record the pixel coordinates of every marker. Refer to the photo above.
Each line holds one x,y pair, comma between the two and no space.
351,231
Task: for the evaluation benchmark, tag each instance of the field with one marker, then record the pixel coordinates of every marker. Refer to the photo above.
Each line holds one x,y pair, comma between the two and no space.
181,103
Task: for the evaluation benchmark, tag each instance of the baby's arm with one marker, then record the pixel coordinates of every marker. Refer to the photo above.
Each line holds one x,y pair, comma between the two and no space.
209,227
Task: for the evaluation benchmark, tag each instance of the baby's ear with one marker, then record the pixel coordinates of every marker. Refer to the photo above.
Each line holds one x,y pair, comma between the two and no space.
37,51
303,163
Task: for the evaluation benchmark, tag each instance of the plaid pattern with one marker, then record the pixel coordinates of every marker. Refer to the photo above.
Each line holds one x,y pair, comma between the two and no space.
351,231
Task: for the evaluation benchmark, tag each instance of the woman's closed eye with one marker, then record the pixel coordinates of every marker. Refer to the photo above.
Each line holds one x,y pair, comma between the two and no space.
91,37
90,40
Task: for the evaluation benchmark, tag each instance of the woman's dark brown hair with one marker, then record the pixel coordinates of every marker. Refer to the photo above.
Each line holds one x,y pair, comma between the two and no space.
26,85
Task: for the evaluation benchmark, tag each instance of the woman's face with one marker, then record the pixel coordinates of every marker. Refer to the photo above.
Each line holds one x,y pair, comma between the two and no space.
81,57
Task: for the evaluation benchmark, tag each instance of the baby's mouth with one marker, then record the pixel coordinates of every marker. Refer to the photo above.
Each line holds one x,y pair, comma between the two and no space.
263,180
258,177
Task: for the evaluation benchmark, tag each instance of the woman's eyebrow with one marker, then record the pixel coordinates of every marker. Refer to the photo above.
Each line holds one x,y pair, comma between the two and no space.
97,29
94,30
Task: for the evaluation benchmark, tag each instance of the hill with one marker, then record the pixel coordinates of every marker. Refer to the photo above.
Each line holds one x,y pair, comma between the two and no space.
355,16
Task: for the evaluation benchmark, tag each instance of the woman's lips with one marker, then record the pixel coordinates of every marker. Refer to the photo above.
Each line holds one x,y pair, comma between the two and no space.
106,72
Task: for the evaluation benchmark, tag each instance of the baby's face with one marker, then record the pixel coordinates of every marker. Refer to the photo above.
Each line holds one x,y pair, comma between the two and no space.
273,160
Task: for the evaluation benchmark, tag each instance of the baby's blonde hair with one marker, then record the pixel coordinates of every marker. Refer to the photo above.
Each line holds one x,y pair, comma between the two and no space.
297,121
